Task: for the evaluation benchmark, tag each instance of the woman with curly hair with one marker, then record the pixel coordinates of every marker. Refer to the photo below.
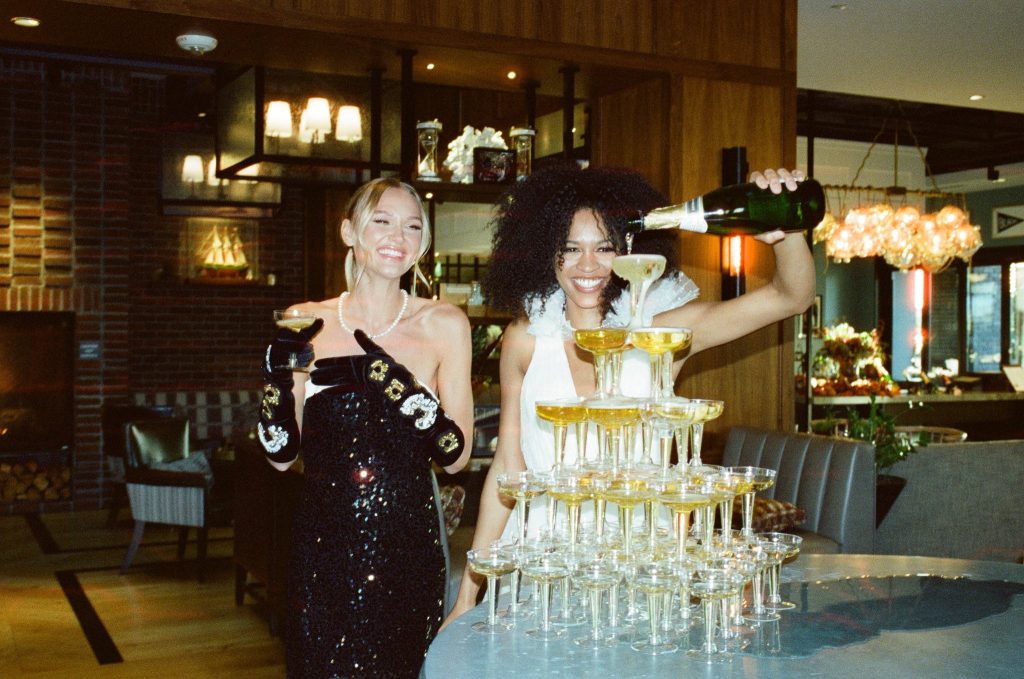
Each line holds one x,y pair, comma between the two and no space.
556,234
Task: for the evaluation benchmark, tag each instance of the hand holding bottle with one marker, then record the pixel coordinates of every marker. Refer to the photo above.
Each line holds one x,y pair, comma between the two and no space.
776,181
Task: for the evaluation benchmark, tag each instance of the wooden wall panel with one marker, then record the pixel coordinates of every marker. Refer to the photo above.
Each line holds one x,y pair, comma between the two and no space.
729,31
630,129
752,375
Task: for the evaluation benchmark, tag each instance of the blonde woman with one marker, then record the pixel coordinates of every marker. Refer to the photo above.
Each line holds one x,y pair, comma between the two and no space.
388,394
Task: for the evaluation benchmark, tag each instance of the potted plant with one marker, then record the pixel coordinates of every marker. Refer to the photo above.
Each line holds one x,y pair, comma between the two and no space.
879,429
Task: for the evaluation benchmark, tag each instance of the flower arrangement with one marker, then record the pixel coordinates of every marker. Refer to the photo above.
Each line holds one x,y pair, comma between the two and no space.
851,363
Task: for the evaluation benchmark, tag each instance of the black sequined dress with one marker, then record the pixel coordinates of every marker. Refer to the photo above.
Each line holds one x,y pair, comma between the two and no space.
367,570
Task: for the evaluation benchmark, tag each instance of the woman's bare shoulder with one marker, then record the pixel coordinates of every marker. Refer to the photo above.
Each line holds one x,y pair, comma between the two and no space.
437,316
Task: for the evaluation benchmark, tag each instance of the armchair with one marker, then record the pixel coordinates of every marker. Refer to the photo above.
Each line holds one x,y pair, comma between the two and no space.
166,484
114,417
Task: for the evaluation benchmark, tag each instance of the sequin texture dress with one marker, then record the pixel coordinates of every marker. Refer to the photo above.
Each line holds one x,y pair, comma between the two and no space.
367,571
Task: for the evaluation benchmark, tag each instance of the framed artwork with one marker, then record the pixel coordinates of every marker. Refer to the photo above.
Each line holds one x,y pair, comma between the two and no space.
1008,221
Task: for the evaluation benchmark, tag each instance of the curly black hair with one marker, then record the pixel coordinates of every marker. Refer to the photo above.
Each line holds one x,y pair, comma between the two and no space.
532,225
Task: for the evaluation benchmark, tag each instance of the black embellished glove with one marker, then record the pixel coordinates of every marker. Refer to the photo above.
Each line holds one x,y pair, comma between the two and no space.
277,428
421,411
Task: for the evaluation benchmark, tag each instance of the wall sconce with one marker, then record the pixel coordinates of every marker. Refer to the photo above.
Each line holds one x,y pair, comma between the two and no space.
734,280
311,130
192,171
190,185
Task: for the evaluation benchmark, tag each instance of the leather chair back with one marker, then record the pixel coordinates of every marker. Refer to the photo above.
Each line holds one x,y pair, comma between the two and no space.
151,441
115,417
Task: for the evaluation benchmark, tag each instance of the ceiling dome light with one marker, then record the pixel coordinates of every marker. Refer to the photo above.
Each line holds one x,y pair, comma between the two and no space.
197,43
26,22
511,75
976,97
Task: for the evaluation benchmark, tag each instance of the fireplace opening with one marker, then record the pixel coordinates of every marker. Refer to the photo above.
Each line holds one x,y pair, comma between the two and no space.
36,404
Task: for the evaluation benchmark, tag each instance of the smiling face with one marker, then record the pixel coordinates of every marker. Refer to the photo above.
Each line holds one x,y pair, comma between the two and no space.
389,239
585,267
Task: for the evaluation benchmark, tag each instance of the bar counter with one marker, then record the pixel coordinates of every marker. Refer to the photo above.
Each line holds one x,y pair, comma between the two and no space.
896,617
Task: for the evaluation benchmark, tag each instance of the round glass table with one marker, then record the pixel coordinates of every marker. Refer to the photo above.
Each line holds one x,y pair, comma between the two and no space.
857,616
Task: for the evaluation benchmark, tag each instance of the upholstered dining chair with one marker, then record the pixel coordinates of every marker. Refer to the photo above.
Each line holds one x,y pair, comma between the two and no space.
114,417
167,483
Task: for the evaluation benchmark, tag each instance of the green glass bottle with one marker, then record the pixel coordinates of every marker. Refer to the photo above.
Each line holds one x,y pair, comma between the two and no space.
741,209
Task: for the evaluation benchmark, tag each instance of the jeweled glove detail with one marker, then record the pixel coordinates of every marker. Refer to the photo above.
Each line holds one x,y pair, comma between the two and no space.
277,428
426,418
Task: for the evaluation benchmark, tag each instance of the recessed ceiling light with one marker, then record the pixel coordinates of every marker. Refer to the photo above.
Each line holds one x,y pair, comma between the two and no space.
197,43
26,22
511,75
976,97
430,67
839,6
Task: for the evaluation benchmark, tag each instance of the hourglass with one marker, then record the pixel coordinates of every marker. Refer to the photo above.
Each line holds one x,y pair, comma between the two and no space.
427,134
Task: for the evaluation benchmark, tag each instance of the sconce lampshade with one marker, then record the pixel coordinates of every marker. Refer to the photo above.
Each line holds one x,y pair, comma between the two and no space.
315,122
211,174
278,122
350,124
192,169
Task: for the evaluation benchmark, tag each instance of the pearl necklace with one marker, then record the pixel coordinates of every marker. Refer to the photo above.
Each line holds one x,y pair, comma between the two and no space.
401,312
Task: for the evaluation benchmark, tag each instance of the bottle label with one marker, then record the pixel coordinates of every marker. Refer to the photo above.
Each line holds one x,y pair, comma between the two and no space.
692,218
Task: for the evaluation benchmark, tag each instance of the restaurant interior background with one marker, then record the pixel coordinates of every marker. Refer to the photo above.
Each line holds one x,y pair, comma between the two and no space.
100,224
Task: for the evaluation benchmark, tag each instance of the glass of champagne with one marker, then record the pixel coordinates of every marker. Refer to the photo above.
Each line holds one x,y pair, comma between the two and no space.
571,489
596,575
294,320
713,586
523,487
603,343
493,562
561,413
681,498
545,568
675,414
756,479
713,409
655,579
640,271
660,344
779,546
627,490
615,416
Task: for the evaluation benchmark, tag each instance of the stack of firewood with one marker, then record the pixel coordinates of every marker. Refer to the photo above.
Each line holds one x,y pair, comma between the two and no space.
33,482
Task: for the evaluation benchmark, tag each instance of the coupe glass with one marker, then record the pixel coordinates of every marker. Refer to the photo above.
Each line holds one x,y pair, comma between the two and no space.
603,343
595,576
713,409
660,344
641,271
571,489
295,320
682,498
675,415
779,547
616,417
523,487
493,562
561,413
712,586
758,479
655,579
627,490
546,569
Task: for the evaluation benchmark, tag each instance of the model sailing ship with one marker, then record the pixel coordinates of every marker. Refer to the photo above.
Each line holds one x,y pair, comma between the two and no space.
222,254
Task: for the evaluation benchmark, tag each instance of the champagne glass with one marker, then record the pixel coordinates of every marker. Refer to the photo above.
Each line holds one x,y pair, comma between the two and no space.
571,489
681,498
779,546
561,413
759,479
711,586
712,411
641,271
627,490
615,416
729,485
655,579
675,414
755,548
603,343
595,576
493,562
295,320
660,344
545,568
523,487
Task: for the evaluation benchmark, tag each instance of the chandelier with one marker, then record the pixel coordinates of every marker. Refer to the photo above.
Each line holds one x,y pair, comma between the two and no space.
892,223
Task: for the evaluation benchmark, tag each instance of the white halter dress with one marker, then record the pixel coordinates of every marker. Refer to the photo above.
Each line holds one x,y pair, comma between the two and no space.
548,377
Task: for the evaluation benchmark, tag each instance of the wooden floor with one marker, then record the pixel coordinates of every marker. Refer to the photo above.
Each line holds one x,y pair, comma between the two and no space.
65,611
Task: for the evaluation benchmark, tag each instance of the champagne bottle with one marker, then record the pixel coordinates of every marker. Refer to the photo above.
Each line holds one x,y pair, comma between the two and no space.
741,209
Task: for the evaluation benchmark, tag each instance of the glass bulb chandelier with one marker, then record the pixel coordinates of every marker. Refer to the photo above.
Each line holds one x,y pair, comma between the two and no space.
885,222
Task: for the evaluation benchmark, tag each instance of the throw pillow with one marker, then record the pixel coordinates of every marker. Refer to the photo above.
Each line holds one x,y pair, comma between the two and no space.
196,463
769,515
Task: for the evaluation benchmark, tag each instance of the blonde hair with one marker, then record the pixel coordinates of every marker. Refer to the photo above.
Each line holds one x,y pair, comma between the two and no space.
359,212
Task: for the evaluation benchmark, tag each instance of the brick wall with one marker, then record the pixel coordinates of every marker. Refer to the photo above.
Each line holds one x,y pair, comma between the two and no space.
81,230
